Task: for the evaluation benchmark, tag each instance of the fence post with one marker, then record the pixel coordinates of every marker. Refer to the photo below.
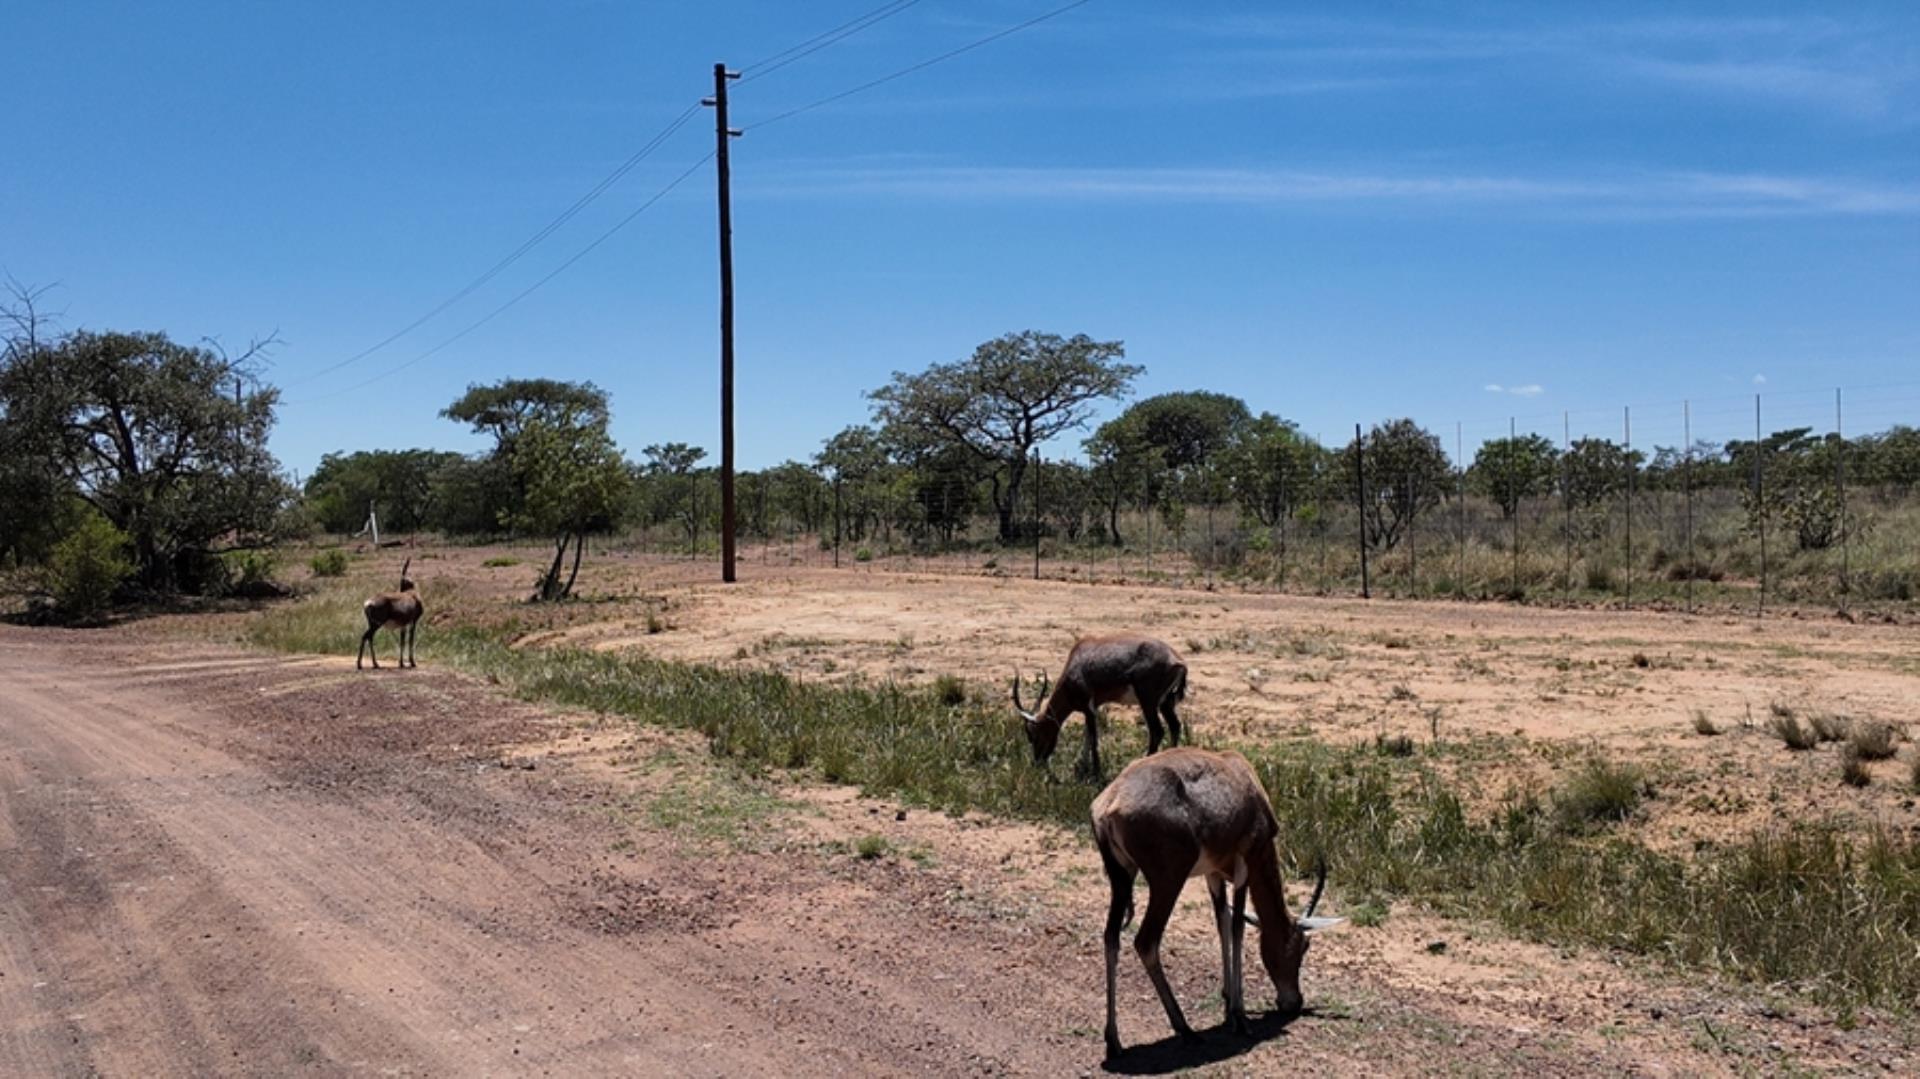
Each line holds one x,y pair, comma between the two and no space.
1513,531
1360,478
1213,541
1566,492
1760,504
1840,492
1628,421
1036,515
836,519
1460,510
1686,427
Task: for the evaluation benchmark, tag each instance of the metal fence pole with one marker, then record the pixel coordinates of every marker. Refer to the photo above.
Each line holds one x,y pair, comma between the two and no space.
836,520
1628,421
1760,504
1036,515
1460,508
1840,492
1566,492
1513,535
1693,567
1360,479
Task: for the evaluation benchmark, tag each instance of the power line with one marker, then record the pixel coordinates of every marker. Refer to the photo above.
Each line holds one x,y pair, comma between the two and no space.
773,63
524,293
921,66
514,256
824,40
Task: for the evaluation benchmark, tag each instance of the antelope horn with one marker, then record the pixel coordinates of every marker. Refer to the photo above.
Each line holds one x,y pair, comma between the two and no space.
1018,705
1319,885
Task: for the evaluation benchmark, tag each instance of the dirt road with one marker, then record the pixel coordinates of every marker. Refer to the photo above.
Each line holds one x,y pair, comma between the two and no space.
220,862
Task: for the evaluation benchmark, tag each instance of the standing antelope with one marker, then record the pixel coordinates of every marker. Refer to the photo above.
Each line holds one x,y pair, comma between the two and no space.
399,611
1188,813
1124,668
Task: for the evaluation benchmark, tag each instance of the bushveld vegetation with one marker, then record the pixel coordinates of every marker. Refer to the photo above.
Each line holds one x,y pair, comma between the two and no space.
1553,865
1172,487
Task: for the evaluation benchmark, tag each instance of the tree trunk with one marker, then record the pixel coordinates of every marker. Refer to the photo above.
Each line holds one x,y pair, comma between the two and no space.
579,545
552,579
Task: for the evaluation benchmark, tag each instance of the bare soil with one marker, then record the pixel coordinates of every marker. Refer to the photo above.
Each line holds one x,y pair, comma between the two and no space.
215,861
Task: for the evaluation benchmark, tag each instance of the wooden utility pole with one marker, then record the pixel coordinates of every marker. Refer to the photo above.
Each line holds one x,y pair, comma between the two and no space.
723,134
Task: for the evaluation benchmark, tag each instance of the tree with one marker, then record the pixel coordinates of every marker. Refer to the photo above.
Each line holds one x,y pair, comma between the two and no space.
1509,470
506,408
1406,470
1269,467
1122,470
1595,469
402,483
1012,394
575,482
1187,430
150,434
672,485
1066,494
856,459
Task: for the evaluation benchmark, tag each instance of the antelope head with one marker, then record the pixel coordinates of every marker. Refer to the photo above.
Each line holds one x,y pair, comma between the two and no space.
1043,729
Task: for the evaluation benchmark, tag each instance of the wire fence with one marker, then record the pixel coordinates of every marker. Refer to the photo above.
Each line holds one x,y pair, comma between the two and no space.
1747,503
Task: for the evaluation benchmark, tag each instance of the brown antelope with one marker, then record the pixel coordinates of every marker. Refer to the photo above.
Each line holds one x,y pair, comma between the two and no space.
1121,668
1189,813
399,611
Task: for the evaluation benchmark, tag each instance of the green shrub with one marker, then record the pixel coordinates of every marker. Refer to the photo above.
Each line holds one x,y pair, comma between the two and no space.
500,561
87,566
1601,792
950,690
252,568
863,554
869,847
329,564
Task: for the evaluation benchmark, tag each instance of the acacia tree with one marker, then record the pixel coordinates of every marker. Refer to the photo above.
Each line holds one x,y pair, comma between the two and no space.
672,479
149,433
1508,470
1406,470
1013,393
552,447
575,483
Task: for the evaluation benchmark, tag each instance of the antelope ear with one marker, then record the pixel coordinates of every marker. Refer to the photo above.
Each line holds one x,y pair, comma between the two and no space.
1314,925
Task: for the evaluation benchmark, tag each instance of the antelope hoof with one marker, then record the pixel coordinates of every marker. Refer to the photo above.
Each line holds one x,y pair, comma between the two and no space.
1237,1024
1114,1048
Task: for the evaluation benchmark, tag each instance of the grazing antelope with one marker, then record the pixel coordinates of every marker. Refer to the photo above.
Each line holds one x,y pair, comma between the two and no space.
399,611
1189,813
1123,668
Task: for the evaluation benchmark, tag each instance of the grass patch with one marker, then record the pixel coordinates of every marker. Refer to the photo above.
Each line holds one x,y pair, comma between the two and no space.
1703,723
1828,727
1600,793
1853,768
1761,908
950,690
1398,745
1795,734
501,561
870,847
1872,741
329,564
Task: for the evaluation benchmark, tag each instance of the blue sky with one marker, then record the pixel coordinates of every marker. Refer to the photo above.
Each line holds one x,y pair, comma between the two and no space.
1337,212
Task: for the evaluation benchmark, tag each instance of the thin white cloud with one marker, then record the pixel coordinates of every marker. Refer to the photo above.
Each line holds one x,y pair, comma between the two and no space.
1531,389
1759,380
1495,387
1654,195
